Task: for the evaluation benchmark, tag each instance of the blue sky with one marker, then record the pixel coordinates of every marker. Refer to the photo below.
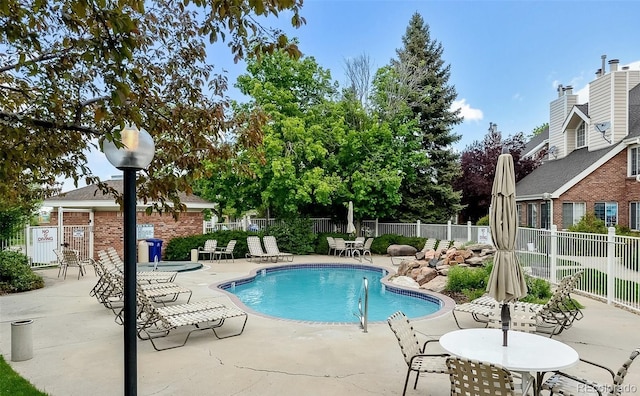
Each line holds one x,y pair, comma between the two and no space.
506,57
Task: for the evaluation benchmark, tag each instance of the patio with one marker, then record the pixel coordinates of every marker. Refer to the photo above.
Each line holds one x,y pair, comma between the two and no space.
78,349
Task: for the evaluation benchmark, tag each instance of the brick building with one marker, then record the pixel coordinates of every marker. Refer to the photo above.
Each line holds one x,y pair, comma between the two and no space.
593,156
88,209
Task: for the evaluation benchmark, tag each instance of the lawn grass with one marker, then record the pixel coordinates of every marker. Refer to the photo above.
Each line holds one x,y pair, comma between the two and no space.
13,384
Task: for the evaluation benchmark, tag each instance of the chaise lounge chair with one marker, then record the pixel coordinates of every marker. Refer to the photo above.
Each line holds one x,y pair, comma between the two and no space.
209,248
160,323
271,247
553,317
255,250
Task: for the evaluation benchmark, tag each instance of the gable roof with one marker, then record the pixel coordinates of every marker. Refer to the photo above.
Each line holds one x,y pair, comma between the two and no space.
558,176
536,143
92,197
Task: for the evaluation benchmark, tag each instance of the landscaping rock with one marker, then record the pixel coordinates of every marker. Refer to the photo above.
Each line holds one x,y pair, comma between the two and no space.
401,250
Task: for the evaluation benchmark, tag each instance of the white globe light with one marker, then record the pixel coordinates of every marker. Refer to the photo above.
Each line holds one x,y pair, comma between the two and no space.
137,151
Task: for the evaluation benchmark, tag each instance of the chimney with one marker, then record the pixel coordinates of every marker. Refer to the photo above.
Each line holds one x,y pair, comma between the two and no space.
613,65
560,90
602,69
625,67
568,90
598,73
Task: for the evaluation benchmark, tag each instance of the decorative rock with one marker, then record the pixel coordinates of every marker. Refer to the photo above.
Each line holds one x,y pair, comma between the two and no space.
401,250
425,275
405,281
436,284
477,260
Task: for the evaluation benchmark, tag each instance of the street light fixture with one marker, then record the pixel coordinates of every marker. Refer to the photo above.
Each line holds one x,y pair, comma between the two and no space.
135,152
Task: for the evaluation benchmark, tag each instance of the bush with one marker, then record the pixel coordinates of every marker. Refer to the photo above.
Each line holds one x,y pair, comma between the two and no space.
483,221
16,275
294,236
179,249
539,290
589,223
466,279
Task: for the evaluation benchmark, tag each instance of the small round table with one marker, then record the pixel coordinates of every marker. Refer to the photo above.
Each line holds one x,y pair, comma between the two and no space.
524,353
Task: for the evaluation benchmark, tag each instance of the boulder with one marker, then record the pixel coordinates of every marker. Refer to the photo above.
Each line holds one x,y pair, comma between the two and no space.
401,250
404,281
436,284
425,274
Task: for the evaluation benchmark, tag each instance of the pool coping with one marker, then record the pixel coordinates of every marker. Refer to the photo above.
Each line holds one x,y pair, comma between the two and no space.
446,303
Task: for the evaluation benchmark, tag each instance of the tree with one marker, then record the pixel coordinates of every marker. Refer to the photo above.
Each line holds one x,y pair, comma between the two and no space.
319,151
416,88
478,163
358,72
72,74
539,129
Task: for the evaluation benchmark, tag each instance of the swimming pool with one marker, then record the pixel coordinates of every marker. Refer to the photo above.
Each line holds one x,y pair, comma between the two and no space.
327,293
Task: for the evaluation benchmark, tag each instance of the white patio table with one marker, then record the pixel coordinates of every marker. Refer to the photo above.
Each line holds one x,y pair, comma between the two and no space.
525,353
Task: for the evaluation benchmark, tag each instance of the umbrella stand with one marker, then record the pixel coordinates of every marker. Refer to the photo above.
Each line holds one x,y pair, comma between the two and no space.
505,317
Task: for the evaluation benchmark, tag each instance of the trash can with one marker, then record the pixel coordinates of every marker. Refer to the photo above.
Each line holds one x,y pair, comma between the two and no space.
155,249
143,251
194,255
21,340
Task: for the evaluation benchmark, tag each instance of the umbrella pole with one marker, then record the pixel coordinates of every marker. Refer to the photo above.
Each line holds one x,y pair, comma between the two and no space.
505,318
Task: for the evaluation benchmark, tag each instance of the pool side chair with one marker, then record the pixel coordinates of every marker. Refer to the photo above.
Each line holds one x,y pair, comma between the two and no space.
255,250
159,323
271,247
332,245
473,377
226,251
112,260
417,360
70,259
366,249
561,383
341,247
209,248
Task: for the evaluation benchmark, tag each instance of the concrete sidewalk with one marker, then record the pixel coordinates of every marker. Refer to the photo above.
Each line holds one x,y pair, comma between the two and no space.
78,348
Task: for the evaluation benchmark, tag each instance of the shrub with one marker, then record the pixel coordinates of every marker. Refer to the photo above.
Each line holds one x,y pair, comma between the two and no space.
539,290
589,223
466,278
483,221
179,249
16,275
294,236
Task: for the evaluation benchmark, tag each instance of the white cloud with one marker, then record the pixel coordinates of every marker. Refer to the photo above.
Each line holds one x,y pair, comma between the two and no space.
518,97
469,113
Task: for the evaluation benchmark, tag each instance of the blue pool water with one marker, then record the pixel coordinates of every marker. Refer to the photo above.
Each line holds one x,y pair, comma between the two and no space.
327,293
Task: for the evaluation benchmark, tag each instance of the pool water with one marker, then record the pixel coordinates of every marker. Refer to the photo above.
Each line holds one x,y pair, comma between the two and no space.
327,293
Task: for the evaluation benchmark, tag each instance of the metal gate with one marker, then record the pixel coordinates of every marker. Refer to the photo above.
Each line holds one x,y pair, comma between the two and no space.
42,240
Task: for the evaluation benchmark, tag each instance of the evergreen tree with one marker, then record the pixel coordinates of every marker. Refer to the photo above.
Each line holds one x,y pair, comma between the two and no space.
428,193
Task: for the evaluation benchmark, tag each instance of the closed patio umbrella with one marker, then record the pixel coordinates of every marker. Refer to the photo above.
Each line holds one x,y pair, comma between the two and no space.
506,281
350,227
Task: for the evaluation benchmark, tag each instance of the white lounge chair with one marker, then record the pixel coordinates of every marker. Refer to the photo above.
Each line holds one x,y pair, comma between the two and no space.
209,248
271,247
255,250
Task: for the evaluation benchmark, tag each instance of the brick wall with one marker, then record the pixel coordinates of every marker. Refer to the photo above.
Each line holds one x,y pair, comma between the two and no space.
608,183
109,226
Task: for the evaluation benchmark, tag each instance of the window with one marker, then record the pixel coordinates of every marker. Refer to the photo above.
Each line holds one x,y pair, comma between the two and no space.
519,208
634,216
581,136
545,215
572,212
532,215
607,211
634,161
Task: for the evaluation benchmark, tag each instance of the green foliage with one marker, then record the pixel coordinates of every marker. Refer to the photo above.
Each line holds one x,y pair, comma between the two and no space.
11,383
294,236
589,223
381,243
12,219
415,87
483,221
75,72
179,249
466,279
539,129
539,290
16,275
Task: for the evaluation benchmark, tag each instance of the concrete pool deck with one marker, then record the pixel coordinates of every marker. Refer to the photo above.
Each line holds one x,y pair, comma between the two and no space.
78,348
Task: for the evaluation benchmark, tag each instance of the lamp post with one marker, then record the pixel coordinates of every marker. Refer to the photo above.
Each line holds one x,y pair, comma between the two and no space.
136,153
